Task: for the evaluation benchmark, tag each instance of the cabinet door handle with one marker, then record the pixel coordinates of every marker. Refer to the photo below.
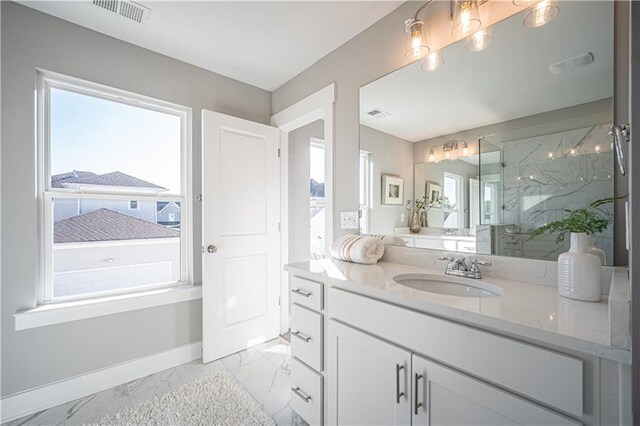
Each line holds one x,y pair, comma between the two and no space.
301,292
297,391
301,336
398,393
416,403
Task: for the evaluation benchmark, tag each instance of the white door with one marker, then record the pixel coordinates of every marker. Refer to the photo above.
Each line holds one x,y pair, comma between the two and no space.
241,237
442,396
369,379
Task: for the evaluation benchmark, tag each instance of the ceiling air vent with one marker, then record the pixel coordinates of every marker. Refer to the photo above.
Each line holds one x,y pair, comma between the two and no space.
377,113
127,9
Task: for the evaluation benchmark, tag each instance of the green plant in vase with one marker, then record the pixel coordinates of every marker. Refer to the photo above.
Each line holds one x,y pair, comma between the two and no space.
580,269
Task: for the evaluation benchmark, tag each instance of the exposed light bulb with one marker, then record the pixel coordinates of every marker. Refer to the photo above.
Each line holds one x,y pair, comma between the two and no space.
541,13
447,154
417,40
466,18
551,155
572,152
431,157
479,40
465,150
433,61
597,148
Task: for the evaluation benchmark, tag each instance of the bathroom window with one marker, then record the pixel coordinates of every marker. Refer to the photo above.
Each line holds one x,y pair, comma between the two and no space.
365,189
98,147
453,198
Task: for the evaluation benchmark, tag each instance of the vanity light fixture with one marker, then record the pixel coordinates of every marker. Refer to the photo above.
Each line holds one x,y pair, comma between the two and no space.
431,155
433,61
417,47
465,148
466,18
598,148
540,13
479,40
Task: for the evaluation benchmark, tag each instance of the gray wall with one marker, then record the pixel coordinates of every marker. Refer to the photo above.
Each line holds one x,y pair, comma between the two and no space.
299,214
390,155
31,39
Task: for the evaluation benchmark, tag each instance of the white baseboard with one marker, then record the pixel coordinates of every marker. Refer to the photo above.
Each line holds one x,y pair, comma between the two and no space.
34,400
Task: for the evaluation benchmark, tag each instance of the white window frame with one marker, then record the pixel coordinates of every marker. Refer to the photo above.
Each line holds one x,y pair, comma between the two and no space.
459,197
365,188
47,80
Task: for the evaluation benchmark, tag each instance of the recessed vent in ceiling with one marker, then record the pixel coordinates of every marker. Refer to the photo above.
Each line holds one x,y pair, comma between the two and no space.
127,9
377,113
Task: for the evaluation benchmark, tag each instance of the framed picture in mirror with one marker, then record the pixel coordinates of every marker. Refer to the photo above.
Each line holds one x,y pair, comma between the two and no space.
434,192
392,190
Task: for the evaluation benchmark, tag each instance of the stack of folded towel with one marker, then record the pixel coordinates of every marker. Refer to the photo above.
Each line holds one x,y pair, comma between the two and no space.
358,249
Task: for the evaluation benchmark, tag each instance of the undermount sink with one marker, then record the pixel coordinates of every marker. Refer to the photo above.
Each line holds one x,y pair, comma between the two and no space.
452,286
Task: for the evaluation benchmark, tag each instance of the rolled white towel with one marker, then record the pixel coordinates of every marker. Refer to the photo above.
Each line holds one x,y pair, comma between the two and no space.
390,240
358,249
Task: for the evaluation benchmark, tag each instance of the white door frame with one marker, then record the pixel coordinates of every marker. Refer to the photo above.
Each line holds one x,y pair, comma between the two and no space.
318,106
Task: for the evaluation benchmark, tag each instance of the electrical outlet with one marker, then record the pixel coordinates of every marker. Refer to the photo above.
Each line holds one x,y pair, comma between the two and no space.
349,220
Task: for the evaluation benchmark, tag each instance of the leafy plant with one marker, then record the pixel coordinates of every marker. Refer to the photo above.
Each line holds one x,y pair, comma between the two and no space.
424,204
590,220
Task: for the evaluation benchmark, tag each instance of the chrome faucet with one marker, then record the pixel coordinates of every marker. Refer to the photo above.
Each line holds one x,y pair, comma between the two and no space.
458,267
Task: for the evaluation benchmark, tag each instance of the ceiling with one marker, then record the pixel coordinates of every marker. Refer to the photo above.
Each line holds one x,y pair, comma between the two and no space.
264,43
509,80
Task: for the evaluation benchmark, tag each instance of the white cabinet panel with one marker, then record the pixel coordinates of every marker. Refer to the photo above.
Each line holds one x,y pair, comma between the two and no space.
306,392
369,380
306,293
306,336
442,396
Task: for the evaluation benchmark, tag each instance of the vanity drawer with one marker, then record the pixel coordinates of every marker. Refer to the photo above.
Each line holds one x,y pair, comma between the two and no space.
306,293
306,392
540,374
306,336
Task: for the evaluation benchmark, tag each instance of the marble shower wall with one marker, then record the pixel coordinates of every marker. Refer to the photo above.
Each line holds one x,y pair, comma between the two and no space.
543,176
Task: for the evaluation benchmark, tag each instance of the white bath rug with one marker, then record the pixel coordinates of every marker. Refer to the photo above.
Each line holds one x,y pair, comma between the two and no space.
212,400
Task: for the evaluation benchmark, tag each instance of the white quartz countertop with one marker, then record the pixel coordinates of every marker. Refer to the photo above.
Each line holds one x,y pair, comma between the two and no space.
535,313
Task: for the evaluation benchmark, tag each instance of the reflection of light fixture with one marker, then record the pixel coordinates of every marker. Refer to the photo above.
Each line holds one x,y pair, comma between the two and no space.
551,155
431,157
433,61
465,150
572,152
541,13
417,40
479,40
597,148
466,18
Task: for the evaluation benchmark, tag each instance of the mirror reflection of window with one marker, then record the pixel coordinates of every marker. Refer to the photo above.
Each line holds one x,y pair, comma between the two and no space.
365,189
490,207
452,203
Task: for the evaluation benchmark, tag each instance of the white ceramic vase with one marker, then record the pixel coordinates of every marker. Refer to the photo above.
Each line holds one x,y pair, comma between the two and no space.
580,271
597,251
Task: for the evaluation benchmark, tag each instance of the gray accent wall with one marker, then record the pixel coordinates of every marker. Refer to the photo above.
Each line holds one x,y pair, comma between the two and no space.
389,155
31,40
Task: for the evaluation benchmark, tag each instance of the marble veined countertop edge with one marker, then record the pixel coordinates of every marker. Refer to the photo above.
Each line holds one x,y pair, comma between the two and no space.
533,313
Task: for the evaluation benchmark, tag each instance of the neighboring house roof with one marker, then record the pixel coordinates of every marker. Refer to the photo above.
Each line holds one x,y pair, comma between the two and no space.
108,179
58,180
161,205
108,225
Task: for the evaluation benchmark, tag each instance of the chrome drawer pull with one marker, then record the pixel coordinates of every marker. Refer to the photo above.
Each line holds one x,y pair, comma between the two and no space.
416,404
301,292
301,336
398,393
305,398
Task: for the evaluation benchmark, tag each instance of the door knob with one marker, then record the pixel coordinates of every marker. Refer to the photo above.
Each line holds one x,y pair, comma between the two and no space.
212,249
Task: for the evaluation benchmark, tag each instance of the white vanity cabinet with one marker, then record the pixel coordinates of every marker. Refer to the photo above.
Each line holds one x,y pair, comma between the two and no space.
376,382
369,381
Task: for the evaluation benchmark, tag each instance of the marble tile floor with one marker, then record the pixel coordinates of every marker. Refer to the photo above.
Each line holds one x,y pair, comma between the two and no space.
262,370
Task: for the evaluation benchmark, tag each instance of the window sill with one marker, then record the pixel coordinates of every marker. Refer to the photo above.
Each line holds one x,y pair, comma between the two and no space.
56,313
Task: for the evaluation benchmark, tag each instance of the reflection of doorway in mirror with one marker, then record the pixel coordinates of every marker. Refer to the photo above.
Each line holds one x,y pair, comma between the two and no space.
453,199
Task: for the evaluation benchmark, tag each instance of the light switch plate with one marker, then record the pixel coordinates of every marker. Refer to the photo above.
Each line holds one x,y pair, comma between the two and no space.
349,220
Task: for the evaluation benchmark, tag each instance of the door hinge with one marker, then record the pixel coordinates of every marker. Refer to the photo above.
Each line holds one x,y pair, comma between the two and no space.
278,152
202,249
